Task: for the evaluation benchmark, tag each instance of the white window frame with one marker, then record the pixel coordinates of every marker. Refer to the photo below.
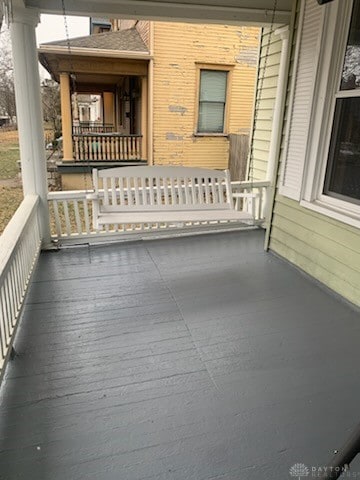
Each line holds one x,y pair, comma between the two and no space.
218,68
333,46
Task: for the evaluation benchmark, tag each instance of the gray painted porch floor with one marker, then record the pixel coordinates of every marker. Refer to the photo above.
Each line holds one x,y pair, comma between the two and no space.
195,358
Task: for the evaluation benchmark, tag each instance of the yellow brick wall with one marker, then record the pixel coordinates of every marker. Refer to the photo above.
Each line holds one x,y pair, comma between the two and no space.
177,48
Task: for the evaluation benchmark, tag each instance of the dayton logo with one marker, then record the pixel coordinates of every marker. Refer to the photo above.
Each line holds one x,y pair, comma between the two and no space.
299,470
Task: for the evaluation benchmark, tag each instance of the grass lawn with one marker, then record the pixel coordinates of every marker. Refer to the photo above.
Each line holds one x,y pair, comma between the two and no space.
8,161
11,193
10,199
10,185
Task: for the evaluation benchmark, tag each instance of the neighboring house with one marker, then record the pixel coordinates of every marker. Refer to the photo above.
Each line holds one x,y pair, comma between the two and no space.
167,93
88,108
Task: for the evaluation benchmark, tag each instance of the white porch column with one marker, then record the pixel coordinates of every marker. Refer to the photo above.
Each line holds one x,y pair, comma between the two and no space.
66,117
29,111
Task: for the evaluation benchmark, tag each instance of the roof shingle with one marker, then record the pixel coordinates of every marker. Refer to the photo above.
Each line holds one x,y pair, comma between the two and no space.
126,40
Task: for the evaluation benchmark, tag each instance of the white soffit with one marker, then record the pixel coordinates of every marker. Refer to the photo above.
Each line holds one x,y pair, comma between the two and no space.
205,11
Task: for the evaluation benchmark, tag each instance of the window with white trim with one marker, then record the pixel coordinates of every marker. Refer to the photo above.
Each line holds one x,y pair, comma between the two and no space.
331,181
212,101
342,177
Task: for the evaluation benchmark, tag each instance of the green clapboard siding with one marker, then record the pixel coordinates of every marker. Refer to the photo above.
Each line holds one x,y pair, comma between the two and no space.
265,100
324,248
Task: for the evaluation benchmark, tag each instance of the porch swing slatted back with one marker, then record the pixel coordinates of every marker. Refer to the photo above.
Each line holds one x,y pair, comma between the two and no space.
162,188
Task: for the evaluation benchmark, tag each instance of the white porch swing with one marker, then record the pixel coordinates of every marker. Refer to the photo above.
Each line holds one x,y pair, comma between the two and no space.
172,195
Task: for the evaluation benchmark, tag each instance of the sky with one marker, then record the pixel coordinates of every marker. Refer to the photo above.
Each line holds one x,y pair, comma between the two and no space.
52,27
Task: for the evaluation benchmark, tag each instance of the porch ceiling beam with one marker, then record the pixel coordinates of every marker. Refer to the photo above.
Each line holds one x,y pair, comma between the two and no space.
212,11
102,67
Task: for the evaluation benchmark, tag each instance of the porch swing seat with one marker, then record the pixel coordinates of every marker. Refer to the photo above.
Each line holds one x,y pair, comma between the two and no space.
170,195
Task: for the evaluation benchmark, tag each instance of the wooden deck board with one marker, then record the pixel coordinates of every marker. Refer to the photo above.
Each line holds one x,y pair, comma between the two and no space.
198,358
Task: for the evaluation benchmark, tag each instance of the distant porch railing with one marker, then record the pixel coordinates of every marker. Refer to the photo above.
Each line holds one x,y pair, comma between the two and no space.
106,146
19,249
93,127
72,221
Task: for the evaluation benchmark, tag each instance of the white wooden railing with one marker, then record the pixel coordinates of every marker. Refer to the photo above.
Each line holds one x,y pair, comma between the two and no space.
71,214
19,249
98,147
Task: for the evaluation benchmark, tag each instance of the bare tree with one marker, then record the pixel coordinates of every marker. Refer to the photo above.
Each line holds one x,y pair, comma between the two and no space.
7,90
50,91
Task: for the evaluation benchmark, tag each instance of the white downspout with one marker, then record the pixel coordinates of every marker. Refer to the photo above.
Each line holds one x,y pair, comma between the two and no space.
276,132
150,121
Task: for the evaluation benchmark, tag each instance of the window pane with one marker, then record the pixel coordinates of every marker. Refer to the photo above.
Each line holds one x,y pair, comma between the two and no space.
343,170
211,117
351,70
213,86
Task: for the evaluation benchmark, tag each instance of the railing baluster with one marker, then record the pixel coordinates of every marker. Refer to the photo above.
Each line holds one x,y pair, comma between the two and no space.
108,155
57,218
2,326
90,147
67,217
95,147
86,216
17,282
117,148
77,217
11,311
76,147
5,318
86,148
112,148
126,148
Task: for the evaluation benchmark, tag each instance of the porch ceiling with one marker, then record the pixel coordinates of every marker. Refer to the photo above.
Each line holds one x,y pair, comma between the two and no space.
229,11
90,82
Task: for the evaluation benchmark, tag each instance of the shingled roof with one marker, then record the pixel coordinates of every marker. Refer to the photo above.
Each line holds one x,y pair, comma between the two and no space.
126,40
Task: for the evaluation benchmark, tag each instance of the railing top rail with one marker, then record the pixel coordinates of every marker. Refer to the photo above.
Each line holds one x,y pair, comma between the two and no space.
14,230
246,184
68,194
93,124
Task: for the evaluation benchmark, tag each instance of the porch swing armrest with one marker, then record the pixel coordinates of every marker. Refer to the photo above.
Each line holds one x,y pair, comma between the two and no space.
92,196
245,195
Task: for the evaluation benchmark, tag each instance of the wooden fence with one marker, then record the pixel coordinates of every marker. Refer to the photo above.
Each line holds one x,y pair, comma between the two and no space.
238,153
